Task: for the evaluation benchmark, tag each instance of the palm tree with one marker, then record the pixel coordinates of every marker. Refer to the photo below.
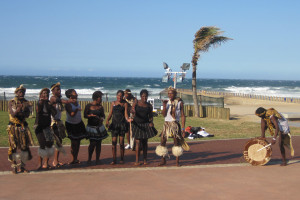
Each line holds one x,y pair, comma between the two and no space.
204,38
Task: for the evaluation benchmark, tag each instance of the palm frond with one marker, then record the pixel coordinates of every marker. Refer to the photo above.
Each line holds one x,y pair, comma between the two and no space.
216,41
206,37
207,31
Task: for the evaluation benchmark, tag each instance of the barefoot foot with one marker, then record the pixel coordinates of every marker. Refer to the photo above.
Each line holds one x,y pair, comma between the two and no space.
74,162
283,164
113,163
23,170
14,170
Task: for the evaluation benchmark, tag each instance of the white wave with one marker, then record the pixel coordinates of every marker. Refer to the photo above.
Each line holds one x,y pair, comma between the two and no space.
98,88
266,91
86,93
129,86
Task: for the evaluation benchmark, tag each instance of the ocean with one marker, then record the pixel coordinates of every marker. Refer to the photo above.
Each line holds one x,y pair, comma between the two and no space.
85,86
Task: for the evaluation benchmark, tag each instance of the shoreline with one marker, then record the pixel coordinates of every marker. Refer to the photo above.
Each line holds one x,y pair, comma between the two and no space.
244,108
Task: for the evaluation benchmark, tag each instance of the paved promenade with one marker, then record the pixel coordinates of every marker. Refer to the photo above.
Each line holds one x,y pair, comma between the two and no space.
210,170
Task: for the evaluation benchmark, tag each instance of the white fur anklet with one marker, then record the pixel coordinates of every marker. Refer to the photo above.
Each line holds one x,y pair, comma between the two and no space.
50,152
16,157
61,149
177,151
161,151
24,156
42,152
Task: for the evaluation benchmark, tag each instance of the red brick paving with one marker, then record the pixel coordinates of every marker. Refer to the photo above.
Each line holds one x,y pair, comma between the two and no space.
201,153
201,177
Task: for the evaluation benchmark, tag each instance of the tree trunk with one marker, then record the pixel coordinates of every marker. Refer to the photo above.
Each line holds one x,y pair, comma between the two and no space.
194,89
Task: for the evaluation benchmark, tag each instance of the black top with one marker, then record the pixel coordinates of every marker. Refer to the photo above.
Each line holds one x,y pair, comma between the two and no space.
94,121
118,114
142,114
43,115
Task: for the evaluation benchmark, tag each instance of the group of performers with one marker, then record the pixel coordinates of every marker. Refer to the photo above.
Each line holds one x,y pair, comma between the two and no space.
129,117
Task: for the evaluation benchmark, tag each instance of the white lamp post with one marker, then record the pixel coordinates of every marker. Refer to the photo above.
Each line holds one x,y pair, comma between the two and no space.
176,78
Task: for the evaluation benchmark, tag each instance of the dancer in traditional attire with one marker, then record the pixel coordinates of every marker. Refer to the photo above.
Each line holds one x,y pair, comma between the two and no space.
57,125
74,124
142,125
19,135
95,129
130,99
119,125
271,119
43,130
173,111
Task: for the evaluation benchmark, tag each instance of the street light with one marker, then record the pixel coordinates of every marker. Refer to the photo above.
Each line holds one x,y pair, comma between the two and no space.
176,78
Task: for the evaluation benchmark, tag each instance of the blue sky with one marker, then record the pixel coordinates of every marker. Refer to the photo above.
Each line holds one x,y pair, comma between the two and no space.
133,38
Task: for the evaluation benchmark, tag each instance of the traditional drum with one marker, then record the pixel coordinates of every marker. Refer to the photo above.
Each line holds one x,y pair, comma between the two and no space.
257,151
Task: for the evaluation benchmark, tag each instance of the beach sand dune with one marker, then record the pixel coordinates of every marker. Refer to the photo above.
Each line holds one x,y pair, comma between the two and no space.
244,108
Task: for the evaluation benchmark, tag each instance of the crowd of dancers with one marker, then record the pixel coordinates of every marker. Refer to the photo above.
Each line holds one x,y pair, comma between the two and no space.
127,115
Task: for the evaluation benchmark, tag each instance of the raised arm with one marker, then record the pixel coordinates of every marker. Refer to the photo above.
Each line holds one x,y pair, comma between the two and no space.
63,101
11,111
53,100
86,111
70,111
21,110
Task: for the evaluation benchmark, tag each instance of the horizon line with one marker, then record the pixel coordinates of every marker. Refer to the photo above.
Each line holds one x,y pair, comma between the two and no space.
89,76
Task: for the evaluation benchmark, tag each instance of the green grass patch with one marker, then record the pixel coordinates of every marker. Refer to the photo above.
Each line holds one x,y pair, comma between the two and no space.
221,129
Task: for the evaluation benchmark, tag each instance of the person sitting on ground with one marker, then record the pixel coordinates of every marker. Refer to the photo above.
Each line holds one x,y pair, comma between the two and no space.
271,119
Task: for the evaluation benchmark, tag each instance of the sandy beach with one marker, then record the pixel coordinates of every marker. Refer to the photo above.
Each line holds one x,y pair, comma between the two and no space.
244,108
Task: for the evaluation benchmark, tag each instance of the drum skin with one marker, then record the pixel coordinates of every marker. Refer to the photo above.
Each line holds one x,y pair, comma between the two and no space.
255,157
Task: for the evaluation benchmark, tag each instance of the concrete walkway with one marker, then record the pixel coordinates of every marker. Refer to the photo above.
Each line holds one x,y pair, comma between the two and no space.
211,170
